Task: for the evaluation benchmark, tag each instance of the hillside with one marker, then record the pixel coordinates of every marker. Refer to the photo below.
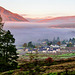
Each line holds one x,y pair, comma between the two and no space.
68,25
60,19
10,16
58,67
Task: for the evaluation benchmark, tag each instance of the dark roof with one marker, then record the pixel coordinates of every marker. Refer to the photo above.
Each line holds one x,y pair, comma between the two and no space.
34,49
40,50
55,48
50,50
44,49
29,50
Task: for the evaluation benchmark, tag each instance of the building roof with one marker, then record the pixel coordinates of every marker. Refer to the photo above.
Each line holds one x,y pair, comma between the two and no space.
50,50
29,50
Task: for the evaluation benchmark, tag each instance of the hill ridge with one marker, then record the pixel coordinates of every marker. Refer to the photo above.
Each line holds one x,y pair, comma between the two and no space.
10,16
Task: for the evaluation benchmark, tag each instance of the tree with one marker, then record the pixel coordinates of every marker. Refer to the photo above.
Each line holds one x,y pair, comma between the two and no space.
8,55
31,45
54,41
8,50
59,43
69,44
64,42
1,24
58,39
49,43
25,45
0,19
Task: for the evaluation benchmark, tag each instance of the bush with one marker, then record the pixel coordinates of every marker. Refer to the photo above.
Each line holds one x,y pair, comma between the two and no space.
49,60
10,72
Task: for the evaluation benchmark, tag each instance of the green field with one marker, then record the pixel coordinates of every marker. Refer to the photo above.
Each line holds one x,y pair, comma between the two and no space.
58,67
44,56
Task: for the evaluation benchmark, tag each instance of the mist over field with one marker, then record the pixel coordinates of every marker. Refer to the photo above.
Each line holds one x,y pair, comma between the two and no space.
25,25
25,32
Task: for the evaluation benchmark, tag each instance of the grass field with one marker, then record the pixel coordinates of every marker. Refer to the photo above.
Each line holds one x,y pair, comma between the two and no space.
44,56
59,68
63,64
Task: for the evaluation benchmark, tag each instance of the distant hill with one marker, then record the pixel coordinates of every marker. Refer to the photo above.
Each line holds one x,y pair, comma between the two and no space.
9,16
34,19
60,19
60,22
38,19
69,25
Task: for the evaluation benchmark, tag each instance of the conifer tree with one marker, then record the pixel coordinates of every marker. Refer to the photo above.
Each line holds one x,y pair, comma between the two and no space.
8,50
8,55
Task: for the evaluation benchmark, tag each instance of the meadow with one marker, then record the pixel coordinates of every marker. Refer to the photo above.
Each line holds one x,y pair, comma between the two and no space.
44,56
42,67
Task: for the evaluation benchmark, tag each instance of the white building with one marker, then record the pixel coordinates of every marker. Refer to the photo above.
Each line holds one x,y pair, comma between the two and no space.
63,46
54,46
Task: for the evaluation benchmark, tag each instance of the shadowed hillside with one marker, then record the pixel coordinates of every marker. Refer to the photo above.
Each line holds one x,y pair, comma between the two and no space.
9,16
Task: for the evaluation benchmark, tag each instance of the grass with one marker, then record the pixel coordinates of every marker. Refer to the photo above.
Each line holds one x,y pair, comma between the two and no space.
66,55
63,73
58,67
44,56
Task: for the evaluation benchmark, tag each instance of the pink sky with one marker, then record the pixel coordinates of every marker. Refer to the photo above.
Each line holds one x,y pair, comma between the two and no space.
40,8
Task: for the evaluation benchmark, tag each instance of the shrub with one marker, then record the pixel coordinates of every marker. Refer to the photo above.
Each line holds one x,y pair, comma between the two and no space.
10,72
49,60
18,67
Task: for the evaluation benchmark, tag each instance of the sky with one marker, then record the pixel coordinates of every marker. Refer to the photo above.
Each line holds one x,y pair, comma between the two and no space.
40,8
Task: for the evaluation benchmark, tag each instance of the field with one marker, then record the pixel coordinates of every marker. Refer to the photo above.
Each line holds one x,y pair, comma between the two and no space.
44,56
62,64
58,67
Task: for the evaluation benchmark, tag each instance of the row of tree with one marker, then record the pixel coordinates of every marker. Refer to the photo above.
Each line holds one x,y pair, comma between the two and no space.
69,43
29,44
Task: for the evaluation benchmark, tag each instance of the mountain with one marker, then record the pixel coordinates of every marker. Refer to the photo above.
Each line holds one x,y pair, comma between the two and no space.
37,19
9,16
34,19
68,25
60,22
64,19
